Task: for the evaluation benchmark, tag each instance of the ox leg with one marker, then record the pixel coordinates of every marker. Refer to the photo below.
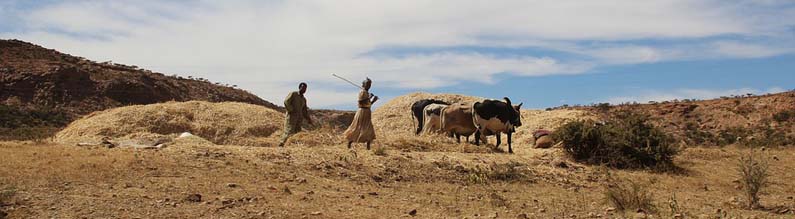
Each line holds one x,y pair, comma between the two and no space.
458,138
477,137
368,145
499,141
510,149
349,145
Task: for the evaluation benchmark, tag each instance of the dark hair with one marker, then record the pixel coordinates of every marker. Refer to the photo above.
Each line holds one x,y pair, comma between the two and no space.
302,84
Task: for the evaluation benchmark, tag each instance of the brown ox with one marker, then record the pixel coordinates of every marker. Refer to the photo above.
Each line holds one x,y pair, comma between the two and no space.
457,121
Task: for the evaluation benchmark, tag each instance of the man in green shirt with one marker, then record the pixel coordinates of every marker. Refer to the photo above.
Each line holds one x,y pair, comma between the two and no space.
297,111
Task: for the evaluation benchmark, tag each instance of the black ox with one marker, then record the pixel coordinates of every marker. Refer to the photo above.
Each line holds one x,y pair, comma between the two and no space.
492,117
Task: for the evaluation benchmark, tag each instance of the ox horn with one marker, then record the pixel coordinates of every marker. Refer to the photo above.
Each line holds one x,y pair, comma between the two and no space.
507,101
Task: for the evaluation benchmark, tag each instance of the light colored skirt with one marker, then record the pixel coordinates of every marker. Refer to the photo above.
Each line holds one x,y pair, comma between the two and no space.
361,129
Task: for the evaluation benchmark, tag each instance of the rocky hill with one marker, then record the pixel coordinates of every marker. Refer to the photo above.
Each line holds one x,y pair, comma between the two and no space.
33,77
764,120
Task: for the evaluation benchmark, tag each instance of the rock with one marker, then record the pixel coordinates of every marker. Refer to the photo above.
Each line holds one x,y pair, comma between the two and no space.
544,142
522,216
231,185
185,134
287,190
677,216
413,212
610,209
194,198
542,210
372,193
316,213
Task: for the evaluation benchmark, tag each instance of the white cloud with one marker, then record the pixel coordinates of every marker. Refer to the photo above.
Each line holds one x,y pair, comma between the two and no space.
687,93
267,46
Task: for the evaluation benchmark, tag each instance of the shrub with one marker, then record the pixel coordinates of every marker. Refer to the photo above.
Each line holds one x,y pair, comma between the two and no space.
628,195
380,151
696,135
753,174
769,136
16,117
626,141
507,172
603,107
784,116
27,133
732,135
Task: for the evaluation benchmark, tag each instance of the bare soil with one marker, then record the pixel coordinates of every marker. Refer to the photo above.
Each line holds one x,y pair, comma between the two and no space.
46,180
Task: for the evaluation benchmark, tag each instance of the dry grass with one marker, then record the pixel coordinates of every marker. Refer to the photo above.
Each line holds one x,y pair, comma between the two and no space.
628,195
73,182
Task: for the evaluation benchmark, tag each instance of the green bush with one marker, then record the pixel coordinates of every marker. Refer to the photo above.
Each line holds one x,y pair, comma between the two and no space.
696,136
768,136
784,116
753,173
625,141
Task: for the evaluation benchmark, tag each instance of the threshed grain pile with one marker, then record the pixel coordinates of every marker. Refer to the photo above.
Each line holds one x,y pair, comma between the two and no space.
220,123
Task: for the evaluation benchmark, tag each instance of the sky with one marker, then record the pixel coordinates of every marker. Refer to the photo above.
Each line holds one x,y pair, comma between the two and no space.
541,53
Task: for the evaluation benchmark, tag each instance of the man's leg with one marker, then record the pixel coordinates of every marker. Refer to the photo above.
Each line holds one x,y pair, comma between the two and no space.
289,129
284,138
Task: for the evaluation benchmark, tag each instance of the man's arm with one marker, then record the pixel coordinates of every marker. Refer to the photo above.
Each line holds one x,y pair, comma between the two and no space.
375,98
306,115
288,102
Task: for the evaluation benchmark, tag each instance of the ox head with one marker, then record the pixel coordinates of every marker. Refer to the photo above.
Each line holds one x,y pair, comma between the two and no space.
516,115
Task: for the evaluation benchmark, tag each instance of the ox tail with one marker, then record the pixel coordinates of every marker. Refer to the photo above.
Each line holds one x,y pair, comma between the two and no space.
413,119
441,118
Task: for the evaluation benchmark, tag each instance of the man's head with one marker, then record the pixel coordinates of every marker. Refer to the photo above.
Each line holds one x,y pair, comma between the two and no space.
302,88
367,83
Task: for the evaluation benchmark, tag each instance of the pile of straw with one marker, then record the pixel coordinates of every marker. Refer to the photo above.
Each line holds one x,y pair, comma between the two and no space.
219,123
245,124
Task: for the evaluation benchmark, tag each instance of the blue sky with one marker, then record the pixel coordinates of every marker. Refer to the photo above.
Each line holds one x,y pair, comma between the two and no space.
542,53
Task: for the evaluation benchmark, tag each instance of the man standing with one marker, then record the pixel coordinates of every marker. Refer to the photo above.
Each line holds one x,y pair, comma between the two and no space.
297,111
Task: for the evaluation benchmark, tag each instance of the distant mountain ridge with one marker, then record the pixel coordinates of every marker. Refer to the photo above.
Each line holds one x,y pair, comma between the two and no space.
35,77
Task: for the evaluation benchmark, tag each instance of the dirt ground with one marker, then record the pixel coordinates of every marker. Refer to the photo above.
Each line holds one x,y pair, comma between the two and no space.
47,180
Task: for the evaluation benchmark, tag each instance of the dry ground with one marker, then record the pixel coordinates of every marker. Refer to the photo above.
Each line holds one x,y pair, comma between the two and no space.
48,180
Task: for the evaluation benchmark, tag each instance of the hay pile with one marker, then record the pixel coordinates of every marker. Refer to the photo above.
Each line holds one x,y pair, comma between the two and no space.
219,123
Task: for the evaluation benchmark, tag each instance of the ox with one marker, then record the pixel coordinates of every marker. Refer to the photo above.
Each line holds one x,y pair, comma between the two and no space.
492,117
431,115
417,111
457,121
